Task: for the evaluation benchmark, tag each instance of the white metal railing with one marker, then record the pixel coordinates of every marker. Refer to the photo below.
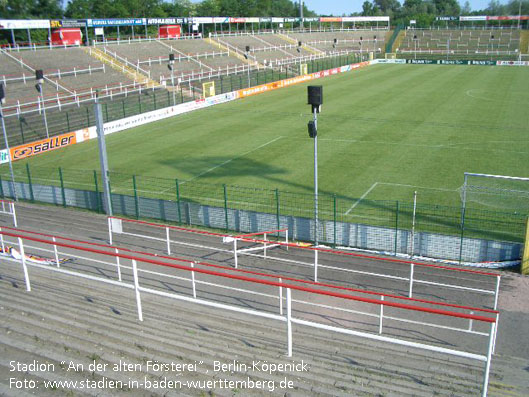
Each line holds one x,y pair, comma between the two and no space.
116,226
60,101
144,280
59,73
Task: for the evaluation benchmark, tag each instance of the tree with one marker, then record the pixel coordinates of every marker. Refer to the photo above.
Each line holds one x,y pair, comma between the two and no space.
466,10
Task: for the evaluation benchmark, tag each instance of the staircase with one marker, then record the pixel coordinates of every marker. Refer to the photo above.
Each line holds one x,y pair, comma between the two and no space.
66,319
120,66
233,51
304,46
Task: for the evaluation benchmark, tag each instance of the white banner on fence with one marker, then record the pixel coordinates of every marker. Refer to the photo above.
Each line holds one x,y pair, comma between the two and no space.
512,63
24,23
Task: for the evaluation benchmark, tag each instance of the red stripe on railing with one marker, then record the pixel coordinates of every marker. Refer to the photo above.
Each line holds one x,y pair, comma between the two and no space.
258,281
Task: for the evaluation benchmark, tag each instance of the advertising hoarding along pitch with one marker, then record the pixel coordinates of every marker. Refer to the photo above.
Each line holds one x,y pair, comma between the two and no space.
43,146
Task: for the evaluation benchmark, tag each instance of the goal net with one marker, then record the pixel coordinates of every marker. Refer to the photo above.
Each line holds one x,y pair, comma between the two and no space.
391,55
496,192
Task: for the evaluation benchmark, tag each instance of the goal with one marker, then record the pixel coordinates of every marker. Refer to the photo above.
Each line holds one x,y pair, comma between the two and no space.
303,69
391,55
496,192
208,89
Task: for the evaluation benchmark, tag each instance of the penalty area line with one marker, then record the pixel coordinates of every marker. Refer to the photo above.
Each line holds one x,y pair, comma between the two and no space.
361,198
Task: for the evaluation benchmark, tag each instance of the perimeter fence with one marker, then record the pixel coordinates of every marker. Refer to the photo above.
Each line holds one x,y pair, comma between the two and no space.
436,231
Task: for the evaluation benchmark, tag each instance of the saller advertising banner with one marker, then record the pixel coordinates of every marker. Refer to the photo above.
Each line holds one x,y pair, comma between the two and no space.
42,146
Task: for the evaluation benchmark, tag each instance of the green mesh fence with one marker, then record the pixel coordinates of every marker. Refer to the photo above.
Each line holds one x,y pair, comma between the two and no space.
332,209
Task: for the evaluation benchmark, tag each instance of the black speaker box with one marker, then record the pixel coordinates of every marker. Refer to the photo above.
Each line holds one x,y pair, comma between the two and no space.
315,95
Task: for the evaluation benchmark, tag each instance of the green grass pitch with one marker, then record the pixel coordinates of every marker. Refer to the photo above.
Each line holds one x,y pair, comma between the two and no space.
384,131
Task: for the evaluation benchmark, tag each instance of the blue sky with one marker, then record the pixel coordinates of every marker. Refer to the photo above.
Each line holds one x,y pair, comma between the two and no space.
339,7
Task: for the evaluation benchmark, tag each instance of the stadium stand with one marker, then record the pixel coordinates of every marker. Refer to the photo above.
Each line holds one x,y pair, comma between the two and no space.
471,42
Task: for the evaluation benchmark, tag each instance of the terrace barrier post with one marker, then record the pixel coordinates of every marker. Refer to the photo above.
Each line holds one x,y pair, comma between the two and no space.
62,188
118,265
396,226
136,198
137,289
31,195
277,213
56,253
289,323
178,201
193,281
98,199
24,267
226,206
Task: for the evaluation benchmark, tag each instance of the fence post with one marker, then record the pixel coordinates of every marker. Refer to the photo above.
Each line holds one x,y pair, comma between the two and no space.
136,199
24,267
87,117
463,213
62,188
226,206
139,102
154,99
178,201
277,212
68,121
31,195
289,322
334,219
235,258
396,227
137,289
106,111
1,188
98,199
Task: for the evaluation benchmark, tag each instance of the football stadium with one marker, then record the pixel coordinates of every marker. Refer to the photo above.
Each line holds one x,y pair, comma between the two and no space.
309,205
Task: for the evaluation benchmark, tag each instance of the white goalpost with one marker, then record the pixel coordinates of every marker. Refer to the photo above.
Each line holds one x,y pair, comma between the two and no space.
496,192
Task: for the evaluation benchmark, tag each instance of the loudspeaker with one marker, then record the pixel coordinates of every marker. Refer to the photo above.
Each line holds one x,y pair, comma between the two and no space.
315,95
414,37
335,41
171,57
361,38
2,94
492,37
312,129
247,48
299,43
39,75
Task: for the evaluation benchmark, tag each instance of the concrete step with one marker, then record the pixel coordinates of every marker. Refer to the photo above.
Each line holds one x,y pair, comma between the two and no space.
197,335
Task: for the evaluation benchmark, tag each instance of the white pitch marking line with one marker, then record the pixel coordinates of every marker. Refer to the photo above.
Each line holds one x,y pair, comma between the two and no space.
235,158
361,198
418,187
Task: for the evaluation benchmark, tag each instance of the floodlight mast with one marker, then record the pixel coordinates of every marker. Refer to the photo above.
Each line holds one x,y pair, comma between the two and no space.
315,99
2,100
103,154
